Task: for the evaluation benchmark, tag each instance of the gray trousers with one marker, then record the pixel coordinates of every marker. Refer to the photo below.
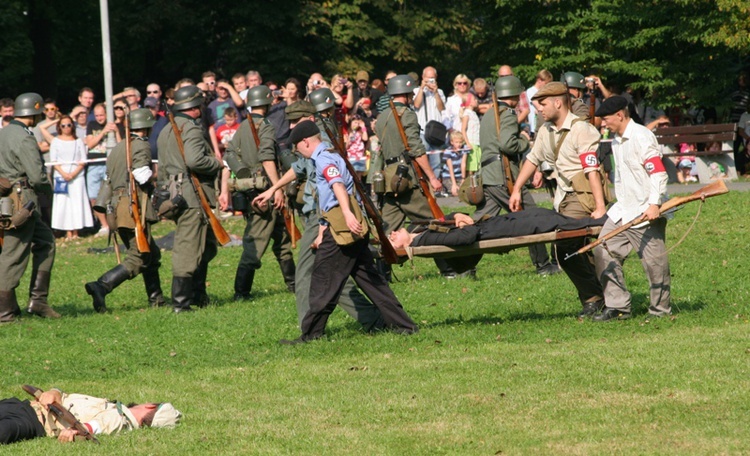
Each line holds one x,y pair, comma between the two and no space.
648,242
351,300
34,239
496,199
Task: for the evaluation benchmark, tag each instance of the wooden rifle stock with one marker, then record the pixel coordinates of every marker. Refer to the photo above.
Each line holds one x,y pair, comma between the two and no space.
714,189
221,234
63,415
506,161
389,253
592,104
141,241
291,227
424,186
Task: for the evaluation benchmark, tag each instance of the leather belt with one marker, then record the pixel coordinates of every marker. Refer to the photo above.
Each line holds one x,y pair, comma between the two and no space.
491,160
390,161
23,183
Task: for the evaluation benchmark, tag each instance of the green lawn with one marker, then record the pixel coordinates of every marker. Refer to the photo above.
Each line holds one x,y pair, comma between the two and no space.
500,366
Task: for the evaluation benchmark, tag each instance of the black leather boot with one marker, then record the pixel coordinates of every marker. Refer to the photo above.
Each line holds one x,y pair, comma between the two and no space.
153,287
9,309
38,292
104,286
182,294
200,295
288,270
243,284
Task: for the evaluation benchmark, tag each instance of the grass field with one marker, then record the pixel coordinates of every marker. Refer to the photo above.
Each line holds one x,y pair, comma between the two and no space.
500,366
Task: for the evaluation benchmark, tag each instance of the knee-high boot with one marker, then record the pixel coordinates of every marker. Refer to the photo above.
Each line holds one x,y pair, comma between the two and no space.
38,292
9,309
182,294
105,284
243,283
153,287
288,270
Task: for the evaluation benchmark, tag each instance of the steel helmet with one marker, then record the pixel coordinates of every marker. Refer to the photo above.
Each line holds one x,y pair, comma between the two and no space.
259,96
322,99
573,80
187,97
508,86
401,84
141,118
28,104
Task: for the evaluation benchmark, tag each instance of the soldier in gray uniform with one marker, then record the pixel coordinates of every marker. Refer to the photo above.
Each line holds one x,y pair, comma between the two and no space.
253,159
194,242
114,194
323,102
576,84
513,143
22,165
408,201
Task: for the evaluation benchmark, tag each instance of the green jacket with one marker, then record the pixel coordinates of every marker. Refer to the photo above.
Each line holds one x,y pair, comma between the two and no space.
243,145
391,143
20,158
510,143
117,171
199,159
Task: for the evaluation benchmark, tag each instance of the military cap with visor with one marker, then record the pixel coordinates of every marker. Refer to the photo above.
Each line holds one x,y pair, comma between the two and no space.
298,110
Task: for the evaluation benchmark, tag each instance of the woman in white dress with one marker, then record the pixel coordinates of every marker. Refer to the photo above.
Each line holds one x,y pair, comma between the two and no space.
461,95
71,211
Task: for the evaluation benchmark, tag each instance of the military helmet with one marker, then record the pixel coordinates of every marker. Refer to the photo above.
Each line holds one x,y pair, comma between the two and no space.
401,84
508,86
573,80
28,104
259,96
322,99
187,97
141,118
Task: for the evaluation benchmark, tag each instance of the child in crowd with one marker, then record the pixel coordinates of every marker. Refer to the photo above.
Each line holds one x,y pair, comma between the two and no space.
455,163
470,132
226,132
686,164
356,142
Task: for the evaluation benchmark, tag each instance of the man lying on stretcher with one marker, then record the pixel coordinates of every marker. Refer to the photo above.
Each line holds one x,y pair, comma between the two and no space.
464,231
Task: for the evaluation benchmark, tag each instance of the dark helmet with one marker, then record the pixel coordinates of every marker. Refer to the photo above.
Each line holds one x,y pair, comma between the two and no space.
141,118
322,99
401,84
573,80
187,97
259,96
508,86
28,104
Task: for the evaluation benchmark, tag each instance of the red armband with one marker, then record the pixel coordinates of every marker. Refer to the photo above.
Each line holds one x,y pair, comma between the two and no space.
654,165
331,172
88,426
589,160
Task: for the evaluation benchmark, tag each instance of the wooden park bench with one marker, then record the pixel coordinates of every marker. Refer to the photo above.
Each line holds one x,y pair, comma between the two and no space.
706,134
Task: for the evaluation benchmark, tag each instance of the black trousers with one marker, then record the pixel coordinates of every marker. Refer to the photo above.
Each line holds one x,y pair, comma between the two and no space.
333,264
18,421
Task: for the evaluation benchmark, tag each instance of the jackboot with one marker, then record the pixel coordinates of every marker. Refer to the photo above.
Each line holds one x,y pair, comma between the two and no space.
38,292
243,284
182,294
105,284
288,270
9,309
153,287
200,295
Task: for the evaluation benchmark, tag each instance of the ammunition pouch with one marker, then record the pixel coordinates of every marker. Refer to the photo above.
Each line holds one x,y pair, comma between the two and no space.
168,200
337,223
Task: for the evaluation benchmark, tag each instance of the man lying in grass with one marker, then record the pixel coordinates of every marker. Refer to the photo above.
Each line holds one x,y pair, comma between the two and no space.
22,420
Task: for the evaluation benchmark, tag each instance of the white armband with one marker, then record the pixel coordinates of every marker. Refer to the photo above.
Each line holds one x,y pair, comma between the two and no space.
143,174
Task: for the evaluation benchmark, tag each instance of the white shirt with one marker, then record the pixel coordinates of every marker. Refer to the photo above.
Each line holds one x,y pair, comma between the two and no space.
429,111
635,188
530,92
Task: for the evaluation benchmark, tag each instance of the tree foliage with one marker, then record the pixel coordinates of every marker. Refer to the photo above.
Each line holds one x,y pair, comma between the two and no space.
677,52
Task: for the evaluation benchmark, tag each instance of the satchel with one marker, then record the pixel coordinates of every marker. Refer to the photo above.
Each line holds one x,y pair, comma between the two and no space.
337,223
61,186
435,133
582,187
471,190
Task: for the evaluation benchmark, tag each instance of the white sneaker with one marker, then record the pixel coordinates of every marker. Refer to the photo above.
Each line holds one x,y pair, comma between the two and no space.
102,232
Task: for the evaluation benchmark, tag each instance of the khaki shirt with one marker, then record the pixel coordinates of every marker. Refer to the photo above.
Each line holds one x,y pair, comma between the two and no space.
510,143
581,141
99,415
199,159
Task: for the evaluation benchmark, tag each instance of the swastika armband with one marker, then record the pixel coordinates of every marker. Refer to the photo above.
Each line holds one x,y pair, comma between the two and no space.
331,172
654,165
589,160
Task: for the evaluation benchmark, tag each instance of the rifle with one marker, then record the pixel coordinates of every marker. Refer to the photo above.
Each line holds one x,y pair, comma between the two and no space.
592,103
717,188
141,241
506,161
389,253
421,178
63,415
291,227
221,234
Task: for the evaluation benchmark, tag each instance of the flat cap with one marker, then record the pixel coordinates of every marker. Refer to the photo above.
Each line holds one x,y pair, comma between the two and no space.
611,105
551,89
302,130
299,109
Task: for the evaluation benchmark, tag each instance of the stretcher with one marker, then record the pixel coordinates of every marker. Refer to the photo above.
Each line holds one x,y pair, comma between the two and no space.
501,245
